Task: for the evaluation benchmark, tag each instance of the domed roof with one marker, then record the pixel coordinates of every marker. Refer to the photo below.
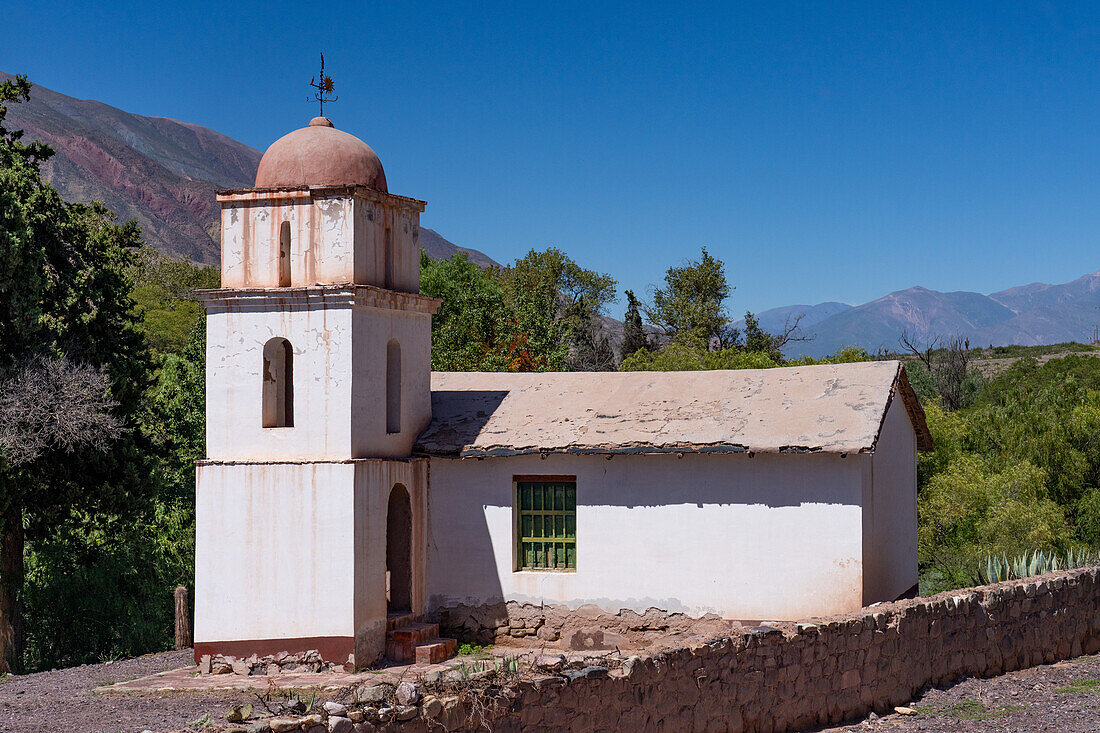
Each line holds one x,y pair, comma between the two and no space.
320,155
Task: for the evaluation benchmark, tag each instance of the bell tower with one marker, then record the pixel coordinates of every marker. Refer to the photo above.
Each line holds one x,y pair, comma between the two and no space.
318,372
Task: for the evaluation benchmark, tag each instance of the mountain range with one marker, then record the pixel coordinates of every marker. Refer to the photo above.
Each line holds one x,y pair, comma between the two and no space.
163,173
1033,314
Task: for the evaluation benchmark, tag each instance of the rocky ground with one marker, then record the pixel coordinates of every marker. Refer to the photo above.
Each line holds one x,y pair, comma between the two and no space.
1059,697
1062,697
66,699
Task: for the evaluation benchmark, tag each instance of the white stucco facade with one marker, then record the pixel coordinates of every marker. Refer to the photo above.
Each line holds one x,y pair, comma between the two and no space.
295,553
346,483
318,384
890,511
340,342
771,537
336,236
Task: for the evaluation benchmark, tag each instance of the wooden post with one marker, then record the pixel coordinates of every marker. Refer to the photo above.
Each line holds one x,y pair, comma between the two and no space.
183,619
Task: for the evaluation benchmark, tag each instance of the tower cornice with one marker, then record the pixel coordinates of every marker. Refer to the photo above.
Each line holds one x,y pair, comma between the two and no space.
329,296
309,192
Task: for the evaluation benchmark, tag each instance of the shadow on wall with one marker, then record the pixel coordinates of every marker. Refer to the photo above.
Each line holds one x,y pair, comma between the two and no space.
665,499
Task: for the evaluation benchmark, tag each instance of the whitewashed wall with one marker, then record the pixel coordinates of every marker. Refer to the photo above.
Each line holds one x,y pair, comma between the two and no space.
765,538
323,358
339,374
890,510
288,551
274,551
335,239
373,328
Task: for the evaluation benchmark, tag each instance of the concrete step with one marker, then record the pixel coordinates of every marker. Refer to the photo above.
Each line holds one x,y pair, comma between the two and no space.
436,651
416,632
397,620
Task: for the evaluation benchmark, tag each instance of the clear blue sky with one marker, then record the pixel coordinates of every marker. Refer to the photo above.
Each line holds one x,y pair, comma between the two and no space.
825,151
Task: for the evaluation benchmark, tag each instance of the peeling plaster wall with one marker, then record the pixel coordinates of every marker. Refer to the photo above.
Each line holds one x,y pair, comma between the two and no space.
372,330
322,365
771,537
292,551
335,238
890,511
372,219
373,482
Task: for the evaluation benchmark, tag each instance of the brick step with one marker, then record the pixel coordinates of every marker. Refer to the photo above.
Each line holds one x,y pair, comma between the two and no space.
416,632
401,651
397,620
436,651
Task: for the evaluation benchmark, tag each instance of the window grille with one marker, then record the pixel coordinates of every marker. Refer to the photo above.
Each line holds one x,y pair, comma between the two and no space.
547,524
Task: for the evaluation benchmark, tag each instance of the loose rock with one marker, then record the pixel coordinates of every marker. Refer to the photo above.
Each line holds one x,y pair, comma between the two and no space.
334,708
373,693
408,693
338,724
431,707
284,725
550,663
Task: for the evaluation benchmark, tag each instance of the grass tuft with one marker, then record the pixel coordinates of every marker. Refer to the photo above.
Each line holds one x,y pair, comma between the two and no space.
1081,686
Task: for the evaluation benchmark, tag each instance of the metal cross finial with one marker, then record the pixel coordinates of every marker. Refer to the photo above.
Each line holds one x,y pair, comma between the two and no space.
323,84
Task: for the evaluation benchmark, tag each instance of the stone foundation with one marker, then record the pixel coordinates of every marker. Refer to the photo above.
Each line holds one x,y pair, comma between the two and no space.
588,627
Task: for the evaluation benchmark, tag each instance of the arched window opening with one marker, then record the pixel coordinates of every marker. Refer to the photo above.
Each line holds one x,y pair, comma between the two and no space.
284,255
389,259
393,387
278,397
399,551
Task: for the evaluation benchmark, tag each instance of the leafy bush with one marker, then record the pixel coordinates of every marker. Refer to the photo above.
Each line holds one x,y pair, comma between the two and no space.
970,511
100,587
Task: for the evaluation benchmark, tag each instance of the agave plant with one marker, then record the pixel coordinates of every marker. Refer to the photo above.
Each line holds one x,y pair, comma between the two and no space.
998,568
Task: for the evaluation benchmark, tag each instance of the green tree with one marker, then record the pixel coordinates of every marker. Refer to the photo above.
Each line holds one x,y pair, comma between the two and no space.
634,335
469,330
164,291
693,356
564,301
691,305
65,306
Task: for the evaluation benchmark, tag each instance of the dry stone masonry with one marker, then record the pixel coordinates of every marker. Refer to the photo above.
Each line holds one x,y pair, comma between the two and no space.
586,628
788,676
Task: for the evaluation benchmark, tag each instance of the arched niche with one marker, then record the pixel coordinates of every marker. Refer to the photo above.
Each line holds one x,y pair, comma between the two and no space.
284,255
393,387
278,386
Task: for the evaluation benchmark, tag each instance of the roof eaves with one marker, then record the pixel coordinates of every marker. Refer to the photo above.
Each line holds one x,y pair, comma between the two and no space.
645,449
909,398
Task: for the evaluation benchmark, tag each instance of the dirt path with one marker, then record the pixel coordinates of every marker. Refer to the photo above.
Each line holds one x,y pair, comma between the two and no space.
65,700
1062,697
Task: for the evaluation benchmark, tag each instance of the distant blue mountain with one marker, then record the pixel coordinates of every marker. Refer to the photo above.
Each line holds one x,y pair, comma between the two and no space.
775,320
1033,314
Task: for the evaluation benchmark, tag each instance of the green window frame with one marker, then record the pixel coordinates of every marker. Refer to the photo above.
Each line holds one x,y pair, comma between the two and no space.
546,523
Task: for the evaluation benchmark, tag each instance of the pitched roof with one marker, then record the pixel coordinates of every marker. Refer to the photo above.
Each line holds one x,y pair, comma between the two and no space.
820,409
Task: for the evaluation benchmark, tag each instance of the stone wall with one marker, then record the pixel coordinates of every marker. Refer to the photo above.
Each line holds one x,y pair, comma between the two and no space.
799,675
586,628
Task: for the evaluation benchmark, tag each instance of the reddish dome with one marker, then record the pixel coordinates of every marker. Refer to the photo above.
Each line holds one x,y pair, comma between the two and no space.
320,155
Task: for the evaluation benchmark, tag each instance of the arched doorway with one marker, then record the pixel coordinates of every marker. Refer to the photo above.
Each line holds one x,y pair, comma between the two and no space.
399,550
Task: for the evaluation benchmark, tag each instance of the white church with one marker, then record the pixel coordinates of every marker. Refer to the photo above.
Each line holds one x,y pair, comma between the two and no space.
350,491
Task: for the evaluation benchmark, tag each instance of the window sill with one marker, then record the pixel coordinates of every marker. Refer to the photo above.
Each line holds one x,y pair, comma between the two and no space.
543,571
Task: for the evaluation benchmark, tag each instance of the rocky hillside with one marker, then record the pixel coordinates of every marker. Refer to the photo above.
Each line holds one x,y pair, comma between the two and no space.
160,172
